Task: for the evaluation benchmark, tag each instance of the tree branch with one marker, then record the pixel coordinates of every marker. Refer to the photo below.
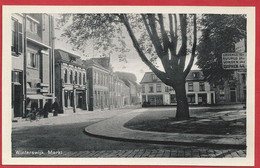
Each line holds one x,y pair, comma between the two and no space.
187,70
165,38
173,34
156,38
183,50
161,75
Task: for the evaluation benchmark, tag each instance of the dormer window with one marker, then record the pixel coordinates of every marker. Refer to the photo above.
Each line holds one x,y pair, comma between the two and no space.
153,77
195,74
72,59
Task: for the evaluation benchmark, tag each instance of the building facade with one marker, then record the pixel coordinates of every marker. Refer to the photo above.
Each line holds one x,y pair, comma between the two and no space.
71,81
32,62
233,90
17,52
39,62
155,92
98,85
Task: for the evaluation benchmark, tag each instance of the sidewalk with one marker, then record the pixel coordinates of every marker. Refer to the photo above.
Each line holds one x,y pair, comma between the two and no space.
113,129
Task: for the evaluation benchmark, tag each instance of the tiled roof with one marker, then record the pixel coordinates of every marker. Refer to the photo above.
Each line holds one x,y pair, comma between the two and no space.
67,57
194,75
93,62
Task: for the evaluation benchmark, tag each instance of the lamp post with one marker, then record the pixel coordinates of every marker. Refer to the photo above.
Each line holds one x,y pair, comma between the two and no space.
74,97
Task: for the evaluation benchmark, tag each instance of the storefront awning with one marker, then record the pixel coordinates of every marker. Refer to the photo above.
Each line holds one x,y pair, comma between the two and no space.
38,96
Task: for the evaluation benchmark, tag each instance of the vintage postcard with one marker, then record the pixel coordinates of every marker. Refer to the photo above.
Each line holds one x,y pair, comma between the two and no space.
124,85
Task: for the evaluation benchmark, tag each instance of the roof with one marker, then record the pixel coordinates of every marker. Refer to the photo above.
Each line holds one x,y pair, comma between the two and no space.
194,75
93,62
65,56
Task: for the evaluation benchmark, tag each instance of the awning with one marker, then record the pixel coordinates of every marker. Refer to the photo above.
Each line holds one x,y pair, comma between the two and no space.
38,96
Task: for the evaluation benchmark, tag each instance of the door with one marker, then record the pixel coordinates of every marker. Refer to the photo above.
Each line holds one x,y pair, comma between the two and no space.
212,98
233,96
79,100
17,100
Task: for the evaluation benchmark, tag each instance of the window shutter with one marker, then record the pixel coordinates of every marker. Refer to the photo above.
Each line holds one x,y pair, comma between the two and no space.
20,38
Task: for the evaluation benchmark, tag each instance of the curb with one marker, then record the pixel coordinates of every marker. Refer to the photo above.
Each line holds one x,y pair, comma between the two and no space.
113,129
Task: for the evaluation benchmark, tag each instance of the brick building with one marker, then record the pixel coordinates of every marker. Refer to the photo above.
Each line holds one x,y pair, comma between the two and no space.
71,81
98,85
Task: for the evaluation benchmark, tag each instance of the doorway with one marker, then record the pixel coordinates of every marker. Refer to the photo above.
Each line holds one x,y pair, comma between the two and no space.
17,100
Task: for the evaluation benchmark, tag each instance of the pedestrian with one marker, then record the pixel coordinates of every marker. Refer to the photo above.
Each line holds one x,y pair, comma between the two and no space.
55,108
46,109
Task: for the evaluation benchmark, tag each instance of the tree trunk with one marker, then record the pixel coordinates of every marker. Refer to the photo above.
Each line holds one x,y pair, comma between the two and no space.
182,112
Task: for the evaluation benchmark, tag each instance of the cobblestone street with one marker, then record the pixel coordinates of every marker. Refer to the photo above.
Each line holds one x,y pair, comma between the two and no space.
142,153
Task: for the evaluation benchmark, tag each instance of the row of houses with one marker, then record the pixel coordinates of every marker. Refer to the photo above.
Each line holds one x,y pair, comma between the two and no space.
41,73
199,91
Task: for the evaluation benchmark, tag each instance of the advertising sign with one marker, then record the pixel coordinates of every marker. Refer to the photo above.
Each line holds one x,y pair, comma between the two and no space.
234,61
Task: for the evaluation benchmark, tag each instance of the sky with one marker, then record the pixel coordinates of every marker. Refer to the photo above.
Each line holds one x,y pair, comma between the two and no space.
133,64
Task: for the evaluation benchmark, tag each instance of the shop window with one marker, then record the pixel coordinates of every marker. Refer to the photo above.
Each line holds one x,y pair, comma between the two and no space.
191,98
17,37
173,98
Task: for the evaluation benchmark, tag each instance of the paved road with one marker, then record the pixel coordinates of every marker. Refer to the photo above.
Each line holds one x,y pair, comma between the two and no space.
64,136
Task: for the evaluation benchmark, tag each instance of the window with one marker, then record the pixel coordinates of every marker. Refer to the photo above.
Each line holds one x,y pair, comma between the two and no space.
158,88
32,60
71,76
76,78
16,77
153,77
143,88
84,79
94,77
80,78
101,80
202,86
65,76
190,86
151,89
191,98
17,37
32,26
97,78
173,98
166,89
196,74
144,98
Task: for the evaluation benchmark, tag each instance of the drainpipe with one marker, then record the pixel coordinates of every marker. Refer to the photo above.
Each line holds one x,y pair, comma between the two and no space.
52,41
24,66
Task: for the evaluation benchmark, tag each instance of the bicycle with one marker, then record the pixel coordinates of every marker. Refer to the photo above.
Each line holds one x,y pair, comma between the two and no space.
33,115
